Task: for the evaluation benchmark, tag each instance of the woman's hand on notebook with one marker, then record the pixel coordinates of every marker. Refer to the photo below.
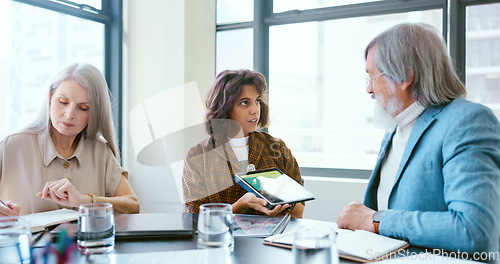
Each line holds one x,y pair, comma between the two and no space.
249,200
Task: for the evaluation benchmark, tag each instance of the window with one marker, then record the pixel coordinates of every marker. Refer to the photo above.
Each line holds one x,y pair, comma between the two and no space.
287,5
313,60
483,55
36,43
232,42
85,3
318,100
230,11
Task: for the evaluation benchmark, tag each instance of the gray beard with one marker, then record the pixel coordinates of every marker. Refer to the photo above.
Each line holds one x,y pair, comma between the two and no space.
384,118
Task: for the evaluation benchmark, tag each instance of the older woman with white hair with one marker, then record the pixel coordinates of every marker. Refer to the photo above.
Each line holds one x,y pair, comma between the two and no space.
68,155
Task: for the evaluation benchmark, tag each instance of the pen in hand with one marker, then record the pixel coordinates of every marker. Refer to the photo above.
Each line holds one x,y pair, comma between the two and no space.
3,202
12,209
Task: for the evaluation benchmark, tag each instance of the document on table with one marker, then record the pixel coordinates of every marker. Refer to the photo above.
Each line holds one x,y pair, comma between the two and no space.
259,225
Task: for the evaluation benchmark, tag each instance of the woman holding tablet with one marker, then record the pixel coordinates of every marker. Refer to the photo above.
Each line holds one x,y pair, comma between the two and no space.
235,110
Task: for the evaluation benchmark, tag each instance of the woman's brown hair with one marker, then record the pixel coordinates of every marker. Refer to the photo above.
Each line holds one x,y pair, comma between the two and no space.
226,91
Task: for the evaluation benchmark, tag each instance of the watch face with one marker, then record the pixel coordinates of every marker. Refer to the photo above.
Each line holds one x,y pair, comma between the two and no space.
377,216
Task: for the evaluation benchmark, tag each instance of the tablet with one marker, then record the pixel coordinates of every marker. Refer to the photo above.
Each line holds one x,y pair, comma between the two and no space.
274,186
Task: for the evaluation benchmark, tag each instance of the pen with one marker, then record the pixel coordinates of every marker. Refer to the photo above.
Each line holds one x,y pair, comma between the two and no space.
3,202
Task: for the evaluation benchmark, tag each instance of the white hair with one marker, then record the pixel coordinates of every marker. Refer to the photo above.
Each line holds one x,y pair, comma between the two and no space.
418,49
100,119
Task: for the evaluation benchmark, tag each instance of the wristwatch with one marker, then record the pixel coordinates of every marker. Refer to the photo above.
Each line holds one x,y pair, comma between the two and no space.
376,219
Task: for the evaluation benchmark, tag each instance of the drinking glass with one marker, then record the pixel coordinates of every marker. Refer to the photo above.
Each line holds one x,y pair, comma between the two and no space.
315,245
15,233
215,228
96,228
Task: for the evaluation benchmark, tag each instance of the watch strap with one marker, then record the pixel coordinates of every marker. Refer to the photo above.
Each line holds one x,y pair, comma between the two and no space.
375,226
376,220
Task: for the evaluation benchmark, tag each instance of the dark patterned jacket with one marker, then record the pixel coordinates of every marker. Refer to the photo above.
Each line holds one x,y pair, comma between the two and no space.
207,178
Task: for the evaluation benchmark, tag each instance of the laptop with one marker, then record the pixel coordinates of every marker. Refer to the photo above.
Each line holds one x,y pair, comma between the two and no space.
145,225
154,225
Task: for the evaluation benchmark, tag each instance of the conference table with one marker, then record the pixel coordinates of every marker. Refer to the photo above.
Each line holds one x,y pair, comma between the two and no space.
247,250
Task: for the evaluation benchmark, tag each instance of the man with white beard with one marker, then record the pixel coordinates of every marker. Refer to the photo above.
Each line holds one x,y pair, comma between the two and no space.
436,182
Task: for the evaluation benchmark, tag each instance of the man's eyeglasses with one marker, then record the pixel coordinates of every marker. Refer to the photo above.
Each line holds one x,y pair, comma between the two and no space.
369,80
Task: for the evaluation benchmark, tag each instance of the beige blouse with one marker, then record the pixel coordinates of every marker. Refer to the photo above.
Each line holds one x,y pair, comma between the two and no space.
28,161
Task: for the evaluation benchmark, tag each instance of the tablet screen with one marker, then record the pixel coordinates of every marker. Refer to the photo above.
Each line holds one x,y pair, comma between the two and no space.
276,186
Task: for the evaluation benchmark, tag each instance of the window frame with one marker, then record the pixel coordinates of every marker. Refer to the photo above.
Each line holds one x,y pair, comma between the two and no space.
110,16
453,13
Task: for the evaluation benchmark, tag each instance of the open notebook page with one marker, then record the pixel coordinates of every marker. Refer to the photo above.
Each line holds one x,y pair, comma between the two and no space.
39,221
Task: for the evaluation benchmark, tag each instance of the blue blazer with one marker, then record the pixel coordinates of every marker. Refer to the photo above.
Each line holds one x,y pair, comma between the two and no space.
446,194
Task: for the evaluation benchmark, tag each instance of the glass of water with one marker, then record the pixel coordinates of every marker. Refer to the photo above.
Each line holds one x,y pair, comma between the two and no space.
15,233
96,228
315,245
215,228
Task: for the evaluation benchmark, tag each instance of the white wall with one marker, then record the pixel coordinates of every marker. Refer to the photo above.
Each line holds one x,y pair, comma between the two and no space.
332,194
168,43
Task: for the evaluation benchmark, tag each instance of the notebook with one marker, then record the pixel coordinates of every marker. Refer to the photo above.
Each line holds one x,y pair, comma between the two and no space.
40,221
358,245
154,225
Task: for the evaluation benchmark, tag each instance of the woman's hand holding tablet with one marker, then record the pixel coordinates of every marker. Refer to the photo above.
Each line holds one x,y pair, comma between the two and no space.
273,186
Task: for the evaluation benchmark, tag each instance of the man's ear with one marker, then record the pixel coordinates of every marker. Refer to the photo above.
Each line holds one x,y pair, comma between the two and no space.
407,84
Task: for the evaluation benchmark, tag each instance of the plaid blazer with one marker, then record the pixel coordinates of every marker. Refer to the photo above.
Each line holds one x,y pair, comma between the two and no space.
207,178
